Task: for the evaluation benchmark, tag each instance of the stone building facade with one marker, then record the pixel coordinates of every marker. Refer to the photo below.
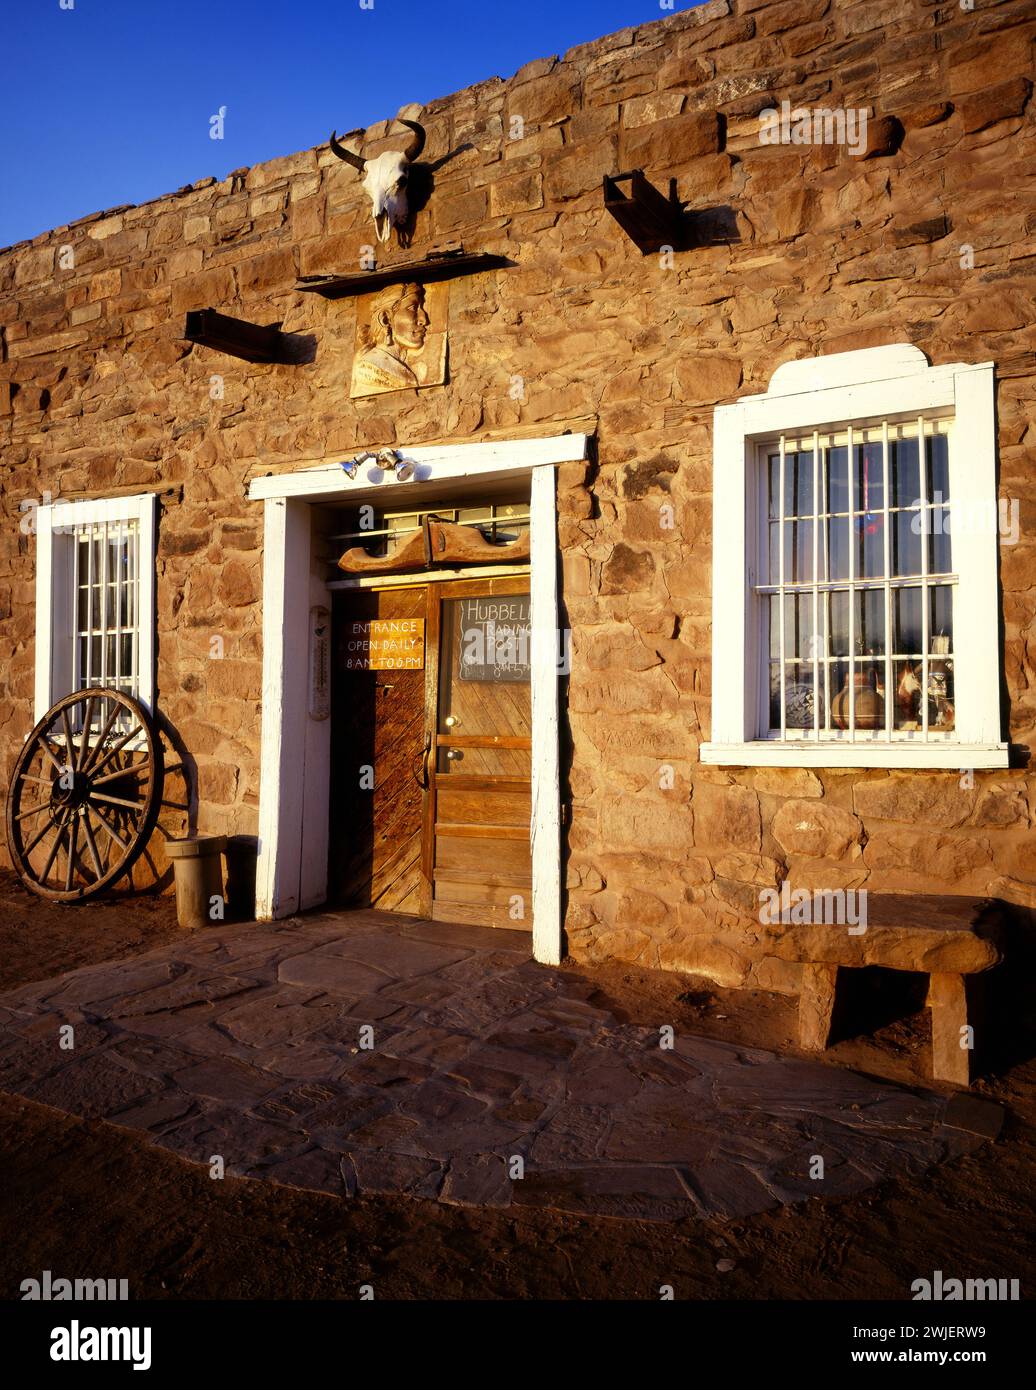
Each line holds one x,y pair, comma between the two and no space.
922,237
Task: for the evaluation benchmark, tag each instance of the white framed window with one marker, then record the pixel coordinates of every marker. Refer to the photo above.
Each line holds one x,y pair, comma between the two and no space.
855,532
95,598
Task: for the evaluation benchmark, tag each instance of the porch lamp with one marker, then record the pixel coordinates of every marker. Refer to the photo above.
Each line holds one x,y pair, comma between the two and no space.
403,469
351,467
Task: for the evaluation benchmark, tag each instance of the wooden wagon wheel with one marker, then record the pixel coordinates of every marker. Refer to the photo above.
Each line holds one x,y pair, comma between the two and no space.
84,795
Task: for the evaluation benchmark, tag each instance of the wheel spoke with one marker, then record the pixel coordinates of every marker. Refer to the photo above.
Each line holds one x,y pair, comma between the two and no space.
117,801
24,815
54,847
45,749
69,740
87,719
38,837
73,837
115,748
123,845
130,771
96,753
43,781
91,845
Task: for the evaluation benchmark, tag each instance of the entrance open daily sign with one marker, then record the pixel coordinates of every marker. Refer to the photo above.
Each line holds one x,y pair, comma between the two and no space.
495,633
385,644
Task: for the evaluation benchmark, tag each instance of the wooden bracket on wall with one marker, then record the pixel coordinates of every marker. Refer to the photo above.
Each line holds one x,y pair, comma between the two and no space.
237,337
648,219
652,221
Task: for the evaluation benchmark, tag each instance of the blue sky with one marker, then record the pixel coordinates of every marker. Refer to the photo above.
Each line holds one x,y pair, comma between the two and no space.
108,102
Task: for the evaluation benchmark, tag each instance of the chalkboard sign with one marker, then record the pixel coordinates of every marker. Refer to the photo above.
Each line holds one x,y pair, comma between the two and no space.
495,637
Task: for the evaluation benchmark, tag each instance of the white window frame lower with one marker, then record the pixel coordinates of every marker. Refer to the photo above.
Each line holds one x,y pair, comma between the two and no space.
294,776
55,538
823,393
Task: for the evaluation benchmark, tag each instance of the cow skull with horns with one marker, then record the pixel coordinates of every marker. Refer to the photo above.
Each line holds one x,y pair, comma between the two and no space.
385,179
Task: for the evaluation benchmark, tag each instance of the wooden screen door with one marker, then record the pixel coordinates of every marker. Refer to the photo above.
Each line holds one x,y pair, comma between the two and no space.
476,857
431,762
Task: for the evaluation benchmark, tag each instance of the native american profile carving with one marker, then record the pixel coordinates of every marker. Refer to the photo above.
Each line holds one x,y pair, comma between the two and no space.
400,339
385,181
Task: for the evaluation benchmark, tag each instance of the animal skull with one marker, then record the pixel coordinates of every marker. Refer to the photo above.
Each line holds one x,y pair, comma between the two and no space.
385,179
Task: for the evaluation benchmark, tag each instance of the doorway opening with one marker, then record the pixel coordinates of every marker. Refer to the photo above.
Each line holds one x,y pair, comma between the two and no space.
431,723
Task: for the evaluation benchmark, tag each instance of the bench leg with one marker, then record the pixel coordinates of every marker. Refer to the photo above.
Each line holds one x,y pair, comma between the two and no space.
948,1001
816,1003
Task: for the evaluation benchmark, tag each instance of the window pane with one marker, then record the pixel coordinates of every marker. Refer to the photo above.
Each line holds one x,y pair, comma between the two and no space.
906,621
907,711
798,625
870,547
798,484
940,695
906,543
869,489
838,548
939,546
870,622
904,478
774,569
775,695
940,618
126,659
798,552
938,468
798,695
774,486
838,620
868,692
836,480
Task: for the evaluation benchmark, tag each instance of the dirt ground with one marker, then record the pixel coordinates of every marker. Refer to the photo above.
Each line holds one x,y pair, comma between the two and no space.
81,1197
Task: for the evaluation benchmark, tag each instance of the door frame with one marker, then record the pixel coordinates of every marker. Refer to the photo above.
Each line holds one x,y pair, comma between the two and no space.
294,776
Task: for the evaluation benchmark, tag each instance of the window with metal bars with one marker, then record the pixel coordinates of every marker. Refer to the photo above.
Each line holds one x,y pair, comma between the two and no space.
95,598
106,580
858,602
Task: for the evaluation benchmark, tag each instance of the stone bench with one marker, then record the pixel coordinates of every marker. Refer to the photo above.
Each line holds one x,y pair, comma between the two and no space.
952,939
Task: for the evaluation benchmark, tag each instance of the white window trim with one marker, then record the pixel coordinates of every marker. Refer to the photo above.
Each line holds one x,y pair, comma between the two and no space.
820,393
54,597
294,778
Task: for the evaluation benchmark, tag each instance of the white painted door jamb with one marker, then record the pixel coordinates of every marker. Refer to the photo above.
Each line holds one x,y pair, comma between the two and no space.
295,757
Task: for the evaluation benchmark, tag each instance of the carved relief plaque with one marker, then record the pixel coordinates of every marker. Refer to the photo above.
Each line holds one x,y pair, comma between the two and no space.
400,339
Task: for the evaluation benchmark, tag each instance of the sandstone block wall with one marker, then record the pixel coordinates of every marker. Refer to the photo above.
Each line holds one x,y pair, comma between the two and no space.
99,392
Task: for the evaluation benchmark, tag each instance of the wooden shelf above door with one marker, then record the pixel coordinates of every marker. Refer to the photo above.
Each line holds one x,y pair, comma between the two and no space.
442,265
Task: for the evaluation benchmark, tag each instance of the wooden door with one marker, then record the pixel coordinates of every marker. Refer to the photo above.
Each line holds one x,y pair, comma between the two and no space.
476,853
377,740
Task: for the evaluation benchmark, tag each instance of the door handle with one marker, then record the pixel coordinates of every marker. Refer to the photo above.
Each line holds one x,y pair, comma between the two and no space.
422,781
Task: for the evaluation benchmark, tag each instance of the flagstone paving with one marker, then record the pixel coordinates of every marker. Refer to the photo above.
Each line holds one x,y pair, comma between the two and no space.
369,1053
